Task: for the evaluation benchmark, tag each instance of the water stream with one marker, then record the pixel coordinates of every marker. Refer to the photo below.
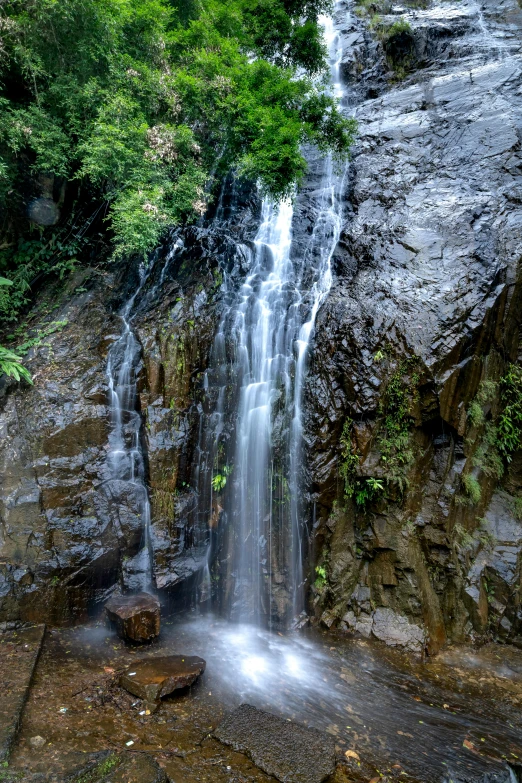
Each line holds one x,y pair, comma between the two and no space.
125,459
249,471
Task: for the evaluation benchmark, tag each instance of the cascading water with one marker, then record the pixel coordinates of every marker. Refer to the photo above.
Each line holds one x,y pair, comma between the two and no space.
252,440
125,460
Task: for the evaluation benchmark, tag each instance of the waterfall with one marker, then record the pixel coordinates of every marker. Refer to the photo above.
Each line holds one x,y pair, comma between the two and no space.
125,461
250,464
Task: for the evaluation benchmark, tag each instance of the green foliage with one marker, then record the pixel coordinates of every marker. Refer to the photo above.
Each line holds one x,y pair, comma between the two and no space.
517,508
366,490
487,540
472,491
10,365
487,456
394,438
387,32
146,103
398,43
463,539
509,437
476,415
372,8
219,481
349,460
501,427
321,580
33,257
361,490
486,394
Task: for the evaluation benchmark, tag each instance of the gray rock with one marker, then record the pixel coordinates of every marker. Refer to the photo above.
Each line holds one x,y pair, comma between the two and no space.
397,631
286,750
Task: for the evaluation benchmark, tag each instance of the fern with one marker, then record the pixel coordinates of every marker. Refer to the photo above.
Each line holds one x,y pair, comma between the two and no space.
10,365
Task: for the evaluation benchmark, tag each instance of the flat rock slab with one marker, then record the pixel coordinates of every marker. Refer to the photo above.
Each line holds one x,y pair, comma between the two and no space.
136,617
19,652
111,767
286,750
154,678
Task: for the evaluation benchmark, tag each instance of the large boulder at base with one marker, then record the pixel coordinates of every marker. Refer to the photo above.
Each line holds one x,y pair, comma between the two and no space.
154,678
136,617
286,750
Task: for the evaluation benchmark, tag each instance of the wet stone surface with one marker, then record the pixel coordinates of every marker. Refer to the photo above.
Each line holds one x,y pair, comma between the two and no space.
19,651
455,717
109,767
286,750
136,617
155,678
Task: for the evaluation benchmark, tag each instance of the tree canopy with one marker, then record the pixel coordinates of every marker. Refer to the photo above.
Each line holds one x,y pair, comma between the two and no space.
146,103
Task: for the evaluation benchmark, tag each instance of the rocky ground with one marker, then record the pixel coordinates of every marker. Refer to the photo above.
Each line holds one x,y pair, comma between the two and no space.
380,713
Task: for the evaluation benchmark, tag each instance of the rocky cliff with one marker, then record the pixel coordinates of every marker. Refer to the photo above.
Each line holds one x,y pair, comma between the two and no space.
419,330
413,509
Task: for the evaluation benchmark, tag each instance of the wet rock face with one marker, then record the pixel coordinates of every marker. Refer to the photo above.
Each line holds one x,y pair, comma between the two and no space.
68,530
136,617
155,678
427,272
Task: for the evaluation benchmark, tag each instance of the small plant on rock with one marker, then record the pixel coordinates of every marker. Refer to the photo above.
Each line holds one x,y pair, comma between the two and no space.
471,489
219,481
321,579
509,437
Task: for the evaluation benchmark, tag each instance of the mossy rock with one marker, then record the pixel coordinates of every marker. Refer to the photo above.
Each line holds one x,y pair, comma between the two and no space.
111,767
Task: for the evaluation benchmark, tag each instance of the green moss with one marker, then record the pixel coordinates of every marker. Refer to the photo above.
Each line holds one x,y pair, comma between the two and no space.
100,770
321,580
471,489
463,539
487,456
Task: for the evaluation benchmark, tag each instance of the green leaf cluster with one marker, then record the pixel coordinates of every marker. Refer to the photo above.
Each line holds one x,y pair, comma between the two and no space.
394,436
147,102
496,412
509,434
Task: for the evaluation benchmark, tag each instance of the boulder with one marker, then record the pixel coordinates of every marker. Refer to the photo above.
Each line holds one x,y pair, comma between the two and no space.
397,631
286,750
136,617
154,678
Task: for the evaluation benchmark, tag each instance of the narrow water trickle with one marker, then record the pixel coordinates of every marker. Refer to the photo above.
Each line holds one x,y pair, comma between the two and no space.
125,460
249,471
